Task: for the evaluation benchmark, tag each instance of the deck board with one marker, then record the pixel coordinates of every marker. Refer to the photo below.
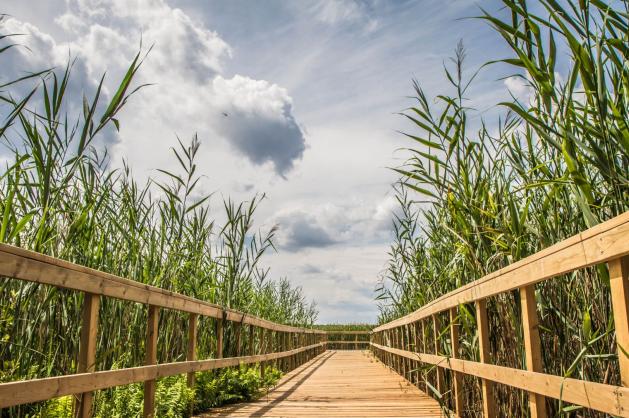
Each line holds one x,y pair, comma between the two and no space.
338,384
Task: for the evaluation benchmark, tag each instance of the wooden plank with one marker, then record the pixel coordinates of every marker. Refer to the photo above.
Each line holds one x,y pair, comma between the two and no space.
348,332
489,404
338,384
31,266
604,242
192,345
35,390
619,287
457,378
532,346
150,359
219,338
438,372
87,350
610,399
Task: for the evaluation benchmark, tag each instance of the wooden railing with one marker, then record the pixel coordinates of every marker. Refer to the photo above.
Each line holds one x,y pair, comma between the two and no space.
297,345
347,340
397,342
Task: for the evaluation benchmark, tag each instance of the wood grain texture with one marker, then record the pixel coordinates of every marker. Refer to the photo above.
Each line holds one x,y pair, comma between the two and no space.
34,390
339,384
611,399
28,265
599,244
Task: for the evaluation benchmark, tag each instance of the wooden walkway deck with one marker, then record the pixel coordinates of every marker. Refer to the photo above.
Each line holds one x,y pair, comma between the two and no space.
339,384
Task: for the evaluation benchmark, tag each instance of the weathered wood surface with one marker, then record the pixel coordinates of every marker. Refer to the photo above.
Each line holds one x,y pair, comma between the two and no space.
599,244
339,384
28,265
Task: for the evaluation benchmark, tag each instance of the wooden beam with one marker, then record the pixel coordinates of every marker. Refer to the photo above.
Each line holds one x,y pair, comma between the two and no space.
35,390
28,265
457,377
532,346
192,344
87,351
610,399
619,287
599,244
150,359
438,372
219,338
489,405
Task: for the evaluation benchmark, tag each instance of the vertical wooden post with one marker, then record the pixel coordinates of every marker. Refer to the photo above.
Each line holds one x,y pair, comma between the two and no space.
489,405
87,351
238,338
532,346
439,372
251,343
219,338
356,342
422,332
619,286
262,350
457,377
415,349
150,358
192,344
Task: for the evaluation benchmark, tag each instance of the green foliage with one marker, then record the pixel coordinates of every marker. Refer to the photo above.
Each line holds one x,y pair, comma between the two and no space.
556,163
59,195
231,385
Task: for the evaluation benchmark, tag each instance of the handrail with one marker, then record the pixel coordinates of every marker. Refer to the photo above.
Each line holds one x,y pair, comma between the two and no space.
27,391
397,342
28,265
596,245
297,344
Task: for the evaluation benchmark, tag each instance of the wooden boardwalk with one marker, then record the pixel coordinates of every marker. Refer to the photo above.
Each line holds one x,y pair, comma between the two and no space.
338,384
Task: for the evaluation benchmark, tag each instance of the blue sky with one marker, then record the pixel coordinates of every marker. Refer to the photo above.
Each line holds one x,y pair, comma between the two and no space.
310,89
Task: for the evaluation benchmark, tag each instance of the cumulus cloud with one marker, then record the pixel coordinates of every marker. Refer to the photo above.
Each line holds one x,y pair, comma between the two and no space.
299,230
353,223
258,119
186,66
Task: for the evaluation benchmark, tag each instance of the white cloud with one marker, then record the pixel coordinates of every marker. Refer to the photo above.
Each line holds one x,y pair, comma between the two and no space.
346,11
258,120
186,66
352,223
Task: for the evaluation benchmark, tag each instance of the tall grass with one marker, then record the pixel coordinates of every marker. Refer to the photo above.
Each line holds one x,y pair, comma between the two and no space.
553,165
59,196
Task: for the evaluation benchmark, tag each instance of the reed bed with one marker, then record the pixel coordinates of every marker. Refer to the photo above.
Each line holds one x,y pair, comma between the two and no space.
475,200
59,196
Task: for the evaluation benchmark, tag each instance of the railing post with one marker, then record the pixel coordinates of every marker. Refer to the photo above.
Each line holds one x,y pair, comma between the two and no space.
192,344
423,337
219,338
262,350
251,340
414,338
532,346
619,287
87,351
238,330
457,377
489,405
150,359
439,374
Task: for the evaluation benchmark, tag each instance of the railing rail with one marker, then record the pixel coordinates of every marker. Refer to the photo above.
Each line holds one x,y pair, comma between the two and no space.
296,345
347,340
396,343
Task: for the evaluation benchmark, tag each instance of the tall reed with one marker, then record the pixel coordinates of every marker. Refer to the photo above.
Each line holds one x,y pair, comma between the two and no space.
552,165
59,196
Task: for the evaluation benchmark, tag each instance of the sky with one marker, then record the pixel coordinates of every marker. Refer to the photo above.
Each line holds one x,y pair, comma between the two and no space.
295,99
